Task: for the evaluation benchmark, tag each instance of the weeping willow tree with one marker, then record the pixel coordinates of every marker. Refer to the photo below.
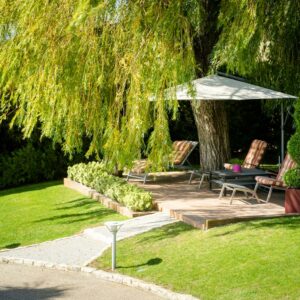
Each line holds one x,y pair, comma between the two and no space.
87,68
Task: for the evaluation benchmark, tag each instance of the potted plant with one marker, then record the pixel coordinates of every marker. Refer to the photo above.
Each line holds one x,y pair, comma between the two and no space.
292,177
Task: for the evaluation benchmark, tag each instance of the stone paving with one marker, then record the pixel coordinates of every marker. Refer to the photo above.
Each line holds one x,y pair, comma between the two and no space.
81,249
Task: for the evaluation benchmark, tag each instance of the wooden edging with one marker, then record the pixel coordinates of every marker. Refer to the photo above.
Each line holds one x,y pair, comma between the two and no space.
206,224
114,205
218,222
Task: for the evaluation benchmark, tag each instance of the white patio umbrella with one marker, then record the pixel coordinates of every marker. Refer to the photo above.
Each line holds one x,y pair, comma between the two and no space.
217,87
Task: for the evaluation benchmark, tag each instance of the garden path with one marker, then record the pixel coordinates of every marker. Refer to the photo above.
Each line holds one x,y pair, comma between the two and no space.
79,250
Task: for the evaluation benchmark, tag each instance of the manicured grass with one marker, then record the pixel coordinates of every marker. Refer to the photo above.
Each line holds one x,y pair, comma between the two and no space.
46,211
251,260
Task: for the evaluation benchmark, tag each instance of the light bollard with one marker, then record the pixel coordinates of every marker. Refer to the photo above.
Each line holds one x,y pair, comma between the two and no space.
113,227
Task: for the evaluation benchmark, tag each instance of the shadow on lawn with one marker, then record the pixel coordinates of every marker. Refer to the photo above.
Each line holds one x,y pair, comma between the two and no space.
78,217
166,232
29,188
12,246
81,202
150,262
284,222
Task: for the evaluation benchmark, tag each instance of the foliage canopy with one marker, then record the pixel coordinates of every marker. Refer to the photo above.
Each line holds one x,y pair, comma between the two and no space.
87,68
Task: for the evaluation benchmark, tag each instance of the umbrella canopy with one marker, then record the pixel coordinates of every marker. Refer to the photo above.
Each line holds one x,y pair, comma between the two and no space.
217,87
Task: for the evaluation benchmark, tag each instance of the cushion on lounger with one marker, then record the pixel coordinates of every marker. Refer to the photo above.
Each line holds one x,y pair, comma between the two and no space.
287,164
139,166
269,181
180,151
255,154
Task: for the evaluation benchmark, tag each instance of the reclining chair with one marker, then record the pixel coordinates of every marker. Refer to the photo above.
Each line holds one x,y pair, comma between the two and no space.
180,154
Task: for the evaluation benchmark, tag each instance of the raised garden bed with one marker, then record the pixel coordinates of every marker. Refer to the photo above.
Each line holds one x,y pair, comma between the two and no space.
104,200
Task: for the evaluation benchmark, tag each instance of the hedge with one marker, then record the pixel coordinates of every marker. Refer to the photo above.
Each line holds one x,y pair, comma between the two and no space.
30,164
95,176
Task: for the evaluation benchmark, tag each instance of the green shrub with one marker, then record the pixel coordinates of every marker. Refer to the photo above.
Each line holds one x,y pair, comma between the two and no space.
94,175
29,165
292,178
294,147
236,161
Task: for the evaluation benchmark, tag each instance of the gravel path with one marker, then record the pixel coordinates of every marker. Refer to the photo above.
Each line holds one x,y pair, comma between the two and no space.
80,249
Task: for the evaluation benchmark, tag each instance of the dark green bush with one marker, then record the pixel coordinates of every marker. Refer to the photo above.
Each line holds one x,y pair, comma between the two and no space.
29,165
294,147
292,178
94,175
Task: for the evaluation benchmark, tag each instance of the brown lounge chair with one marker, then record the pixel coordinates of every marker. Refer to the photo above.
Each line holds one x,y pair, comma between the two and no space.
275,183
254,156
270,183
252,160
181,152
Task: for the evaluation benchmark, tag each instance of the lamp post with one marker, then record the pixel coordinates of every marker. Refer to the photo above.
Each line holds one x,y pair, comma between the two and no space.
113,227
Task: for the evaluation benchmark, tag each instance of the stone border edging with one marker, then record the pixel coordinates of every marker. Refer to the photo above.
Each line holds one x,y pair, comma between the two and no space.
112,277
104,200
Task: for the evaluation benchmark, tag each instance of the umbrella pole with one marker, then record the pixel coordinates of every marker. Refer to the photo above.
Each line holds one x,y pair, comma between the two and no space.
282,133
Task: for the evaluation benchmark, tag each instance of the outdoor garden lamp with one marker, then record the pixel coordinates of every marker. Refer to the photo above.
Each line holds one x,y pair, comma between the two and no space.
113,227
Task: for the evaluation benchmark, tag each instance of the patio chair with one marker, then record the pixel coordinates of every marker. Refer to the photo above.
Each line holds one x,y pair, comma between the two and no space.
180,154
254,156
252,160
277,182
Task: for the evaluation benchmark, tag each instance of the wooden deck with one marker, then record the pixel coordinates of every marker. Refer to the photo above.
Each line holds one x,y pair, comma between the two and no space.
202,208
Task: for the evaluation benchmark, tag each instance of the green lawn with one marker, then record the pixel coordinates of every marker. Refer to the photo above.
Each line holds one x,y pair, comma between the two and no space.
251,260
46,211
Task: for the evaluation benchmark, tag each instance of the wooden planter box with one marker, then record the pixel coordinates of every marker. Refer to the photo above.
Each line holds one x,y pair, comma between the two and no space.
114,205
292,201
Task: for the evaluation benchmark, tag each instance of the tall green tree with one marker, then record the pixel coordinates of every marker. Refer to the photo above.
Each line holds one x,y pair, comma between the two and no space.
89,67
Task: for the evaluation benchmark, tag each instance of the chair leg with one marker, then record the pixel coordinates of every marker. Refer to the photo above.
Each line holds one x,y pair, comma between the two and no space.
255,193
145,178
269,194
201,181
222,191
232,196
128,175
191,177
255,196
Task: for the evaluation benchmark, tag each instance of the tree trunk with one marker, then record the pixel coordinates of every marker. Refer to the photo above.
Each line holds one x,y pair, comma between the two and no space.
210,116
212,127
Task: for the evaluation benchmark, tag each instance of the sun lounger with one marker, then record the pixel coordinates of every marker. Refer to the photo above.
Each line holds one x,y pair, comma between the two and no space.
180,154
275,183
261,181
254,155
252,160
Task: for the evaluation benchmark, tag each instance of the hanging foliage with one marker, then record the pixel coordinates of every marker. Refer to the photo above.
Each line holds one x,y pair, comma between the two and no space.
88,68
260,40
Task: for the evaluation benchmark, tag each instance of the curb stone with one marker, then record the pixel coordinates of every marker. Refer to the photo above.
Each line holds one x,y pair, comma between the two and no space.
113,277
